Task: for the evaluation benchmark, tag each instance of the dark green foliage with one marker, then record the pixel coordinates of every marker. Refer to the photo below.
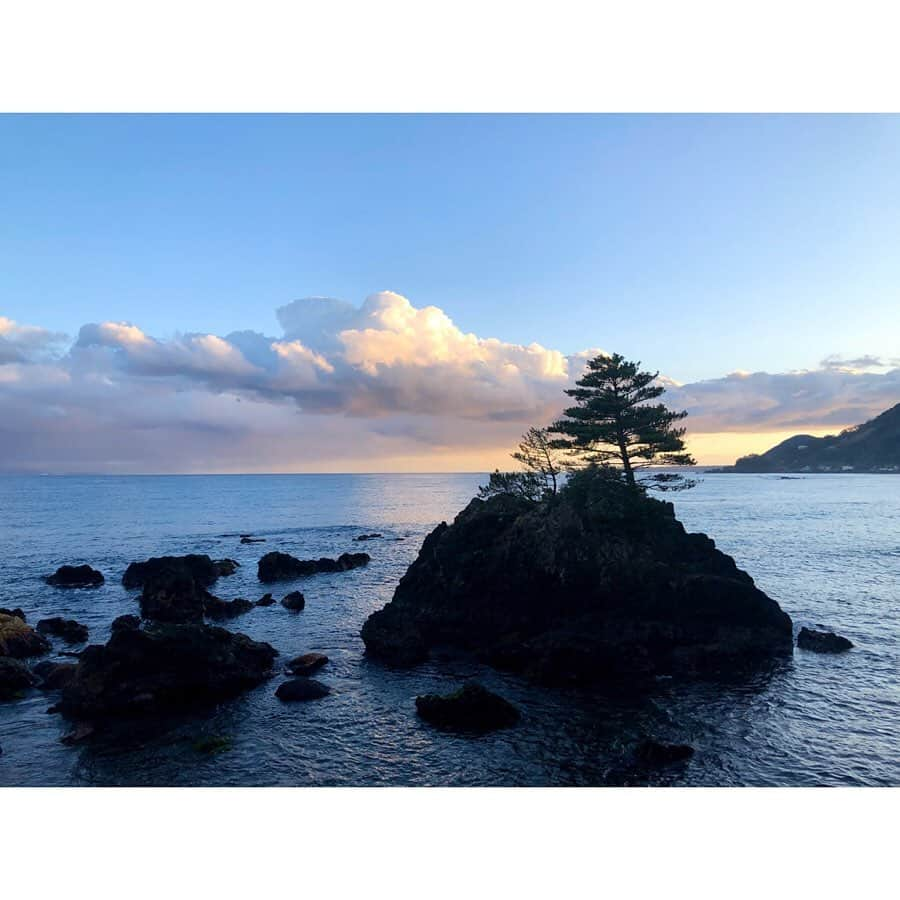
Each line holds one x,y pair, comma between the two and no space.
527,485
614,421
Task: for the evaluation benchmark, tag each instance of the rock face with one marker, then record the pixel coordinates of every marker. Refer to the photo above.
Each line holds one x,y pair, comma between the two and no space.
306,664
68,629
822,641
471,708
592,584
176,598
126,623
75,576
195,565
161,668
294,601
19,640
15,677
277,566
301,689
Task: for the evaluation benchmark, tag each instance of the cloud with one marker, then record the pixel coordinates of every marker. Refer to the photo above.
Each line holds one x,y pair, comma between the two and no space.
380,385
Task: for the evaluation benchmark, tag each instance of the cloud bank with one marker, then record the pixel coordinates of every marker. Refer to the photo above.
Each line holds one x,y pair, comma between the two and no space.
385,385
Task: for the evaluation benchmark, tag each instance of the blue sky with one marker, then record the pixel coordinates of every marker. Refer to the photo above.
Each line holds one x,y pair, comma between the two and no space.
700,244
751,259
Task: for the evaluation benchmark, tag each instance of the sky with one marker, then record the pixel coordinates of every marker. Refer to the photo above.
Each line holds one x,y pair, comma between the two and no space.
409,293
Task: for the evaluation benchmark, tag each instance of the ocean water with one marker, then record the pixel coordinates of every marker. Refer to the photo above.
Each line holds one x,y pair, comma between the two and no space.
826,547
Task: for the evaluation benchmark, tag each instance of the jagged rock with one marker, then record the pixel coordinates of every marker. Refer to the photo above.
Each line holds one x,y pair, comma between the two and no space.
266,600
471,708
68,629
163,667
17,612
19,640
126,623
307,663
654,754
225,609
75,576
15,677
294,601
197,566
53,675
174,598
301,689
367,537
822,641
277,566
597,582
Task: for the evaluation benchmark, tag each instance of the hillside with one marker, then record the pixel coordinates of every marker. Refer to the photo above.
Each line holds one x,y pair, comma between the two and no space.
873,446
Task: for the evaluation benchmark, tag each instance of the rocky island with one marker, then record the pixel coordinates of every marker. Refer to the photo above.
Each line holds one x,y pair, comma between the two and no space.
595,582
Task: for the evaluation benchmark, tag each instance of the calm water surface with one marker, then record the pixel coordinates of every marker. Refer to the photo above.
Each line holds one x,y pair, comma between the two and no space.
826,547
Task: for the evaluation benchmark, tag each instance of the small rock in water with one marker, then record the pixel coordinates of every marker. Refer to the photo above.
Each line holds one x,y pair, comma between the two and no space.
653,753
226,566
266,600
68,629
471,708
822,641
12,612
367,537
18,640
75,576
301,689
248,539
295,601
277,566
224,609
307,663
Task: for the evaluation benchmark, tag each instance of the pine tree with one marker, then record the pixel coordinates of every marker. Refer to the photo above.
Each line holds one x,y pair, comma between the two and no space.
538,453
613,422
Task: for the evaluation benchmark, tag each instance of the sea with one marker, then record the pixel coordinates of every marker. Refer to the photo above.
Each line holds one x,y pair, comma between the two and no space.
826,547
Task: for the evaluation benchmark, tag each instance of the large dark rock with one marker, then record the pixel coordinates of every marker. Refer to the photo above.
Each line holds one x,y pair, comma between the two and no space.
15,678
174,598
471,708
277,566
294,601
197,566
822,641
75,576
596,583
163,667
19,640
126,623
68,629
306,663
215,608
301,689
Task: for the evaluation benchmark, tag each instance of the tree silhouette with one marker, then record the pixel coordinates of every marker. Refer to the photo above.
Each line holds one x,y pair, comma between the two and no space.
613,422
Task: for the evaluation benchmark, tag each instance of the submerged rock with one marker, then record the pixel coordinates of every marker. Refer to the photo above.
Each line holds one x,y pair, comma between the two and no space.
126,623
653,754
266,600
163,667
75,576
197,566
68,629
822,641
225,567
248,539
53,675
597,582
307,663
19,640
471,708
277,566
301,689
225,609
294,601
15,678
367,537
